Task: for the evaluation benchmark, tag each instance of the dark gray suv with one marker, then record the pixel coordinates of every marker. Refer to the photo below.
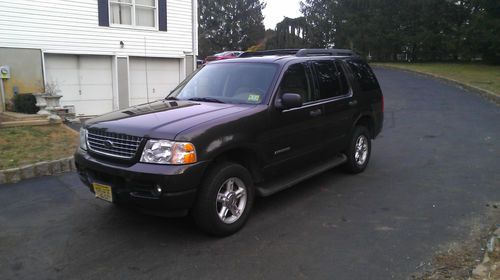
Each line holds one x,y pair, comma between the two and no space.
235,129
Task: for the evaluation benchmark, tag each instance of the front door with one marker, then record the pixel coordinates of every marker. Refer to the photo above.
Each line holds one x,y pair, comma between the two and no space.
294,138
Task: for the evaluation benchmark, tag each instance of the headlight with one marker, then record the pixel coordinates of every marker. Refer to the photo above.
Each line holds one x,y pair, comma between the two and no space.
83,139
168,152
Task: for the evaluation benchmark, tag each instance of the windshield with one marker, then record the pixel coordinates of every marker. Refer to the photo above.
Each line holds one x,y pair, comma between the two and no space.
239,83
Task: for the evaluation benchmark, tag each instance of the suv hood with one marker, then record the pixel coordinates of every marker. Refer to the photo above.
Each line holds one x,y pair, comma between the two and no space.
162,119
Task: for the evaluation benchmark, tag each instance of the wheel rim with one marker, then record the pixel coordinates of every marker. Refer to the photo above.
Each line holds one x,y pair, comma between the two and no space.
231,200
361,150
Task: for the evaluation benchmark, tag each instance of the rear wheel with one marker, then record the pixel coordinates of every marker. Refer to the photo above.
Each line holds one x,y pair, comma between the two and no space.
358,153
224,199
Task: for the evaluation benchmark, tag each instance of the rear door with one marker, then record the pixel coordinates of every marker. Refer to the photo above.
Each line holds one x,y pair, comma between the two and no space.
339,104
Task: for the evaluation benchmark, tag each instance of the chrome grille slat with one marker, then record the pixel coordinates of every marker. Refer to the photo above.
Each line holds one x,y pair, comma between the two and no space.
133,146
104,146
123,146
114,138
111,151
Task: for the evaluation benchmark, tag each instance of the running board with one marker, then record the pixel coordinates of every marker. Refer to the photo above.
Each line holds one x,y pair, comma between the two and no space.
274,186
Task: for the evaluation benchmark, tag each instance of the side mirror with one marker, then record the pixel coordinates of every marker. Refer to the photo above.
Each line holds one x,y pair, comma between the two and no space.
291,100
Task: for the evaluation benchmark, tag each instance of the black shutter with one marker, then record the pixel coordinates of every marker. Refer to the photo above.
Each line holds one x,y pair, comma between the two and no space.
162,15
103,11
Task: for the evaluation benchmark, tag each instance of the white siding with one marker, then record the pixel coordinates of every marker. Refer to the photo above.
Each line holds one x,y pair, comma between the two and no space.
71,27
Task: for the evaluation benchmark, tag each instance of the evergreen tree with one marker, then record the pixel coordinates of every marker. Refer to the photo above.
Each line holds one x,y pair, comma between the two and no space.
229,25
427,30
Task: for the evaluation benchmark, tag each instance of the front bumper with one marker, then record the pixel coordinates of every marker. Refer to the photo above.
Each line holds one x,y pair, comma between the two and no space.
134,185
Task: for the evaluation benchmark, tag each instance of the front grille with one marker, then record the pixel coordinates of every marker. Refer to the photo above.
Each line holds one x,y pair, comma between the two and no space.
113,144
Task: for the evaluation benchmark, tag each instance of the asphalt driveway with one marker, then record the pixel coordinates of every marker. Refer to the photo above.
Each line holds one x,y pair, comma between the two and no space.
434,170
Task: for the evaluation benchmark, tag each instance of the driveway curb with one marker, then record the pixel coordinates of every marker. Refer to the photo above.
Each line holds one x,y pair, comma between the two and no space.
44,168
482,92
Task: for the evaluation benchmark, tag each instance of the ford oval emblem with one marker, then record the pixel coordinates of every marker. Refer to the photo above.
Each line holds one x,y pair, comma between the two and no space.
108,144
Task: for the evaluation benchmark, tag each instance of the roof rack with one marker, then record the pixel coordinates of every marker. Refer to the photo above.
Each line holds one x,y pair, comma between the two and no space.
270,52
329,52
301,52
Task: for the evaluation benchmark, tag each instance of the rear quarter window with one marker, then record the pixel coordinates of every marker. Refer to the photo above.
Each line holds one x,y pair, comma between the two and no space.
363,74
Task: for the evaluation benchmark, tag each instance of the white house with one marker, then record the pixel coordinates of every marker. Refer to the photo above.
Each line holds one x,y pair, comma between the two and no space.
102,55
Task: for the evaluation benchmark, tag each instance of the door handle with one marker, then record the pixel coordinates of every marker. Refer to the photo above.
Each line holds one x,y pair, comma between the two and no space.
353,102
315,113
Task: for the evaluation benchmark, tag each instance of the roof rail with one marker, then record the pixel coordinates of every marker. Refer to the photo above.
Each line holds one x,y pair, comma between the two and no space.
326,52
270,52
301,52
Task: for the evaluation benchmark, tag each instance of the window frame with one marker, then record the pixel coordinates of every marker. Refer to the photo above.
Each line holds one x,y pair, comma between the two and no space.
133,24
316,81
309,77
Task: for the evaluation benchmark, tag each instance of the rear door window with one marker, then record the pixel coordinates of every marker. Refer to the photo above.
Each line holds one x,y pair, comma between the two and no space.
344,85
331,79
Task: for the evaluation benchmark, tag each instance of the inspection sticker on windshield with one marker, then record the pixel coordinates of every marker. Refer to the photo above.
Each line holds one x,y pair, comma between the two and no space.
254,98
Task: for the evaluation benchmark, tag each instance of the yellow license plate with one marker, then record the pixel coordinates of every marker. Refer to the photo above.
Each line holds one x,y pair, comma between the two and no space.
103,192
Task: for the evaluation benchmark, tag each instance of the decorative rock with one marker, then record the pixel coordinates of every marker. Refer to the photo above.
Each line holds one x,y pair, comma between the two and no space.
66,165
12,175
55,166
28,171
72,163
42,168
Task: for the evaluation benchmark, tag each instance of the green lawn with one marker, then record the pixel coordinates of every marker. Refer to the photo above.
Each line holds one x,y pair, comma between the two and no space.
477,75
30,144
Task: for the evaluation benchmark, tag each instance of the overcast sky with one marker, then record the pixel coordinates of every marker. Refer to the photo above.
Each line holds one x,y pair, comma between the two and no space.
276,10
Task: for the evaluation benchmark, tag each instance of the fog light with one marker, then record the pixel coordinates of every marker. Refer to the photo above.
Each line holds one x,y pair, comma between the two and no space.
157,190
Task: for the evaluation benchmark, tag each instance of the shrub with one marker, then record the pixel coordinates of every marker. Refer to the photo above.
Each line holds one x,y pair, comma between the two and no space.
25,103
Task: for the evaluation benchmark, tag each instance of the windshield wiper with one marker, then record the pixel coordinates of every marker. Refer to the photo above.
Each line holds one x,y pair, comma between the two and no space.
206,99
171,98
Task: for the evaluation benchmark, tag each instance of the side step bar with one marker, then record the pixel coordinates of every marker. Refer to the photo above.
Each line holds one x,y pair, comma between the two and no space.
274,186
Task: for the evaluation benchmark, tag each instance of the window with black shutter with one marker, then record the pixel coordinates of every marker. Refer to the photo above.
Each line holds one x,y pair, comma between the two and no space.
133,13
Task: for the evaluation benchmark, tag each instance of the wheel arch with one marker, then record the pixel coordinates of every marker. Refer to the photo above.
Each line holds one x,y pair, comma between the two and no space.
366,121
245,156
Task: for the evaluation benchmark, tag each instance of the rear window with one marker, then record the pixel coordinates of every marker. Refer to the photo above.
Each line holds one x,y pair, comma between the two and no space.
363,75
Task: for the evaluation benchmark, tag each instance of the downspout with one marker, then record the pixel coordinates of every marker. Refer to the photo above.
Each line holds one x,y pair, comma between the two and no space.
195,32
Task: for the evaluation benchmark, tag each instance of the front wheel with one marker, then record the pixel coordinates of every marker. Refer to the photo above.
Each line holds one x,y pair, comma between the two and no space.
358,153
224,199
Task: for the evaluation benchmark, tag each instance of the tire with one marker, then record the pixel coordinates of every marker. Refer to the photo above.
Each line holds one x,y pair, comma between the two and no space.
224,200
359,151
